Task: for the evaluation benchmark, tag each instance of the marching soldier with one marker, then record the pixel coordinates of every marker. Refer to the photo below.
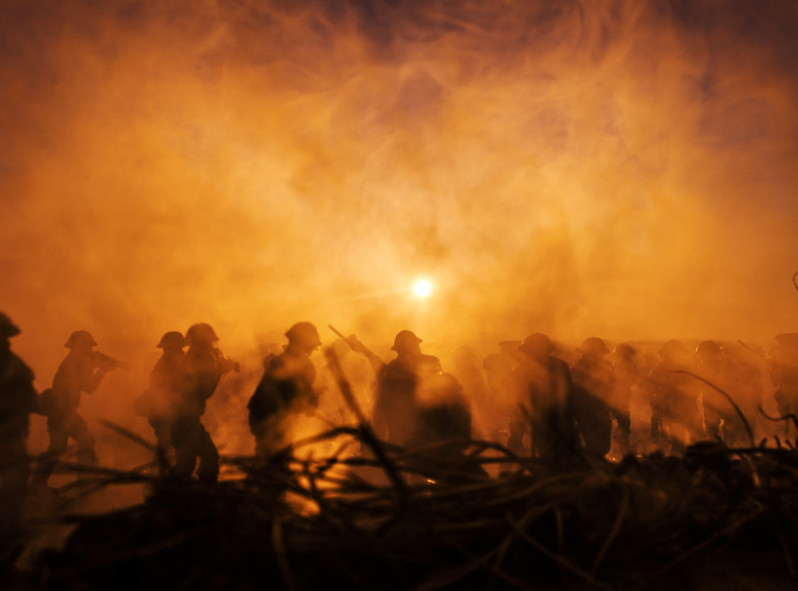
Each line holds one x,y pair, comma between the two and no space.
396,405
82,370
200,372
594,381
674,399
157,402
549,387
285,390
17,401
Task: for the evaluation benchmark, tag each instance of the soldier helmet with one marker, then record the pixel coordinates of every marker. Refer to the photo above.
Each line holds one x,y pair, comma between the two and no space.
80,338
537,345
625,351
7,328
172,340
405,340
708,349
674,350
594,346
201,333
303,334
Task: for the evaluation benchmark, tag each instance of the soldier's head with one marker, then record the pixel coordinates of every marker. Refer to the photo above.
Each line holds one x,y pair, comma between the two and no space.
172,341
625,352
593,348
80,341
674,352
406,343
303,337
7,328
201,336
537,346
709,352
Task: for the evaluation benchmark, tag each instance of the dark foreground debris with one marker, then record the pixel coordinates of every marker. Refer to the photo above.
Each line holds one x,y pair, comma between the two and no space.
713,519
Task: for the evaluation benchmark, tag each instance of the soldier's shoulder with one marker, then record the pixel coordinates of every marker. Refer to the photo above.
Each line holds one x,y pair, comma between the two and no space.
18,370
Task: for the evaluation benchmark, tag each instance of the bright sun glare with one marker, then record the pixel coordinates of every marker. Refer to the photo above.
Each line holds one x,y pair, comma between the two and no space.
422,288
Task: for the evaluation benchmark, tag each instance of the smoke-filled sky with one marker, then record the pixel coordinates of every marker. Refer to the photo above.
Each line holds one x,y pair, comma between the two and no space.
619,168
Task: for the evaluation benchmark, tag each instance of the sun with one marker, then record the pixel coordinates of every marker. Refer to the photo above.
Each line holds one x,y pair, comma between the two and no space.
422,288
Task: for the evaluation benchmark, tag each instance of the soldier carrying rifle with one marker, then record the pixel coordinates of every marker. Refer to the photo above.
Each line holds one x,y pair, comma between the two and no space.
82,370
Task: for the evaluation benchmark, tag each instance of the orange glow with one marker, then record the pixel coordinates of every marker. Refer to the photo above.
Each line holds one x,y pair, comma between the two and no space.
422,288
625,169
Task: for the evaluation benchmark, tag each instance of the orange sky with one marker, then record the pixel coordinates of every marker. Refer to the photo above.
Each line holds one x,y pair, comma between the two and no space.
622,168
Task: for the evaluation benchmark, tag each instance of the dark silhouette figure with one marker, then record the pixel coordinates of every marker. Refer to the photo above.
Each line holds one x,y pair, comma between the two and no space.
200,372
784,375
396,405
549,387
747,377
593,380
674,399
285,390
82,370
157,403
711,364
505,390
627,379
17,401
442,432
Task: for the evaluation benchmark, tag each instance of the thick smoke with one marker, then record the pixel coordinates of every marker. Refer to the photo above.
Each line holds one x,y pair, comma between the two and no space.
618,168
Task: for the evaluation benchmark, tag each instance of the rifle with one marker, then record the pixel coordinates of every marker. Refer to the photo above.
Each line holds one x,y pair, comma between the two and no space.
108,362
358,347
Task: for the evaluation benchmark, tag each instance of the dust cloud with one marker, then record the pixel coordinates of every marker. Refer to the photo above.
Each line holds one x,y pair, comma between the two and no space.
621,168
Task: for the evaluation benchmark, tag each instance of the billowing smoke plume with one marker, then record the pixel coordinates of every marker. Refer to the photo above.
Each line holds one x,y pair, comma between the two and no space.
616,168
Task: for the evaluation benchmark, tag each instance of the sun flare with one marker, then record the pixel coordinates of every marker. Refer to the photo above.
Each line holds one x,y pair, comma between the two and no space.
422,288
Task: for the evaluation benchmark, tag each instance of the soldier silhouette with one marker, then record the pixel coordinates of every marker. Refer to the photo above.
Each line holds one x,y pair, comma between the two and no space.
784,375
549,388
17,401
82,370
505,387
157,403
396,404
627,378
285,390
674,399
199,375
593,380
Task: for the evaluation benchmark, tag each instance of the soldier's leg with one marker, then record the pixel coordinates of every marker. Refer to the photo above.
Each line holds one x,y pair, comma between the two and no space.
79,431
163,436
14,473
208,470
624,430
184,439
515,442
57,429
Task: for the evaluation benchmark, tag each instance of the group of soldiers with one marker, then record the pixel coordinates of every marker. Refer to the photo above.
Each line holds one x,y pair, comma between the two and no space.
535,403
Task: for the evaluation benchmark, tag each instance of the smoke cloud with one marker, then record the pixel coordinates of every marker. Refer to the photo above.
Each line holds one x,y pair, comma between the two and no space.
623,168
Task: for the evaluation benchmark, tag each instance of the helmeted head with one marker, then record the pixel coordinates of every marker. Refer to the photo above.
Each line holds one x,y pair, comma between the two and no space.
303,336
201,334
625,351
80,339
172,340
674,351
406,341
7,328
594,347
537,346
709,351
